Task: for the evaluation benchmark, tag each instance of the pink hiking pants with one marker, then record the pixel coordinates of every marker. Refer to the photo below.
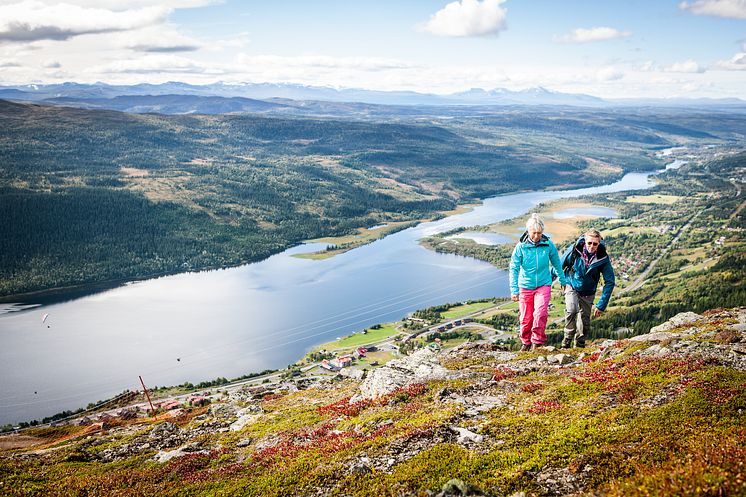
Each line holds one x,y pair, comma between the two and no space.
533,305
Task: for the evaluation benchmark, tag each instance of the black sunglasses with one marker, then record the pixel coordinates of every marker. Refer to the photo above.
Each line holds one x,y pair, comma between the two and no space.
592,244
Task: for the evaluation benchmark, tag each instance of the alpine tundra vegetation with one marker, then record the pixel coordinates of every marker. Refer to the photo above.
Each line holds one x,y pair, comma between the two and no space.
657,414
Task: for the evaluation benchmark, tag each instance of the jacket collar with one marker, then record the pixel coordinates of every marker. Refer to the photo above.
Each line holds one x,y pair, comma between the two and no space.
543,241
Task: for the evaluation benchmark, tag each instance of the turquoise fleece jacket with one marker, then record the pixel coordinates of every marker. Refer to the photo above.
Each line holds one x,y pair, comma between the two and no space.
529,264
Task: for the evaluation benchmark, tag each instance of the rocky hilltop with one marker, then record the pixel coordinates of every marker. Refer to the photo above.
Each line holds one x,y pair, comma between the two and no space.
658,414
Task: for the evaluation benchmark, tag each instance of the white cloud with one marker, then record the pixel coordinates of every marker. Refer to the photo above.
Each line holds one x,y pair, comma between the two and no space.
601,33
153,63
156,39
121,5
9,63
467,18
52,64
735,9
735,63
233,43
688,66
609,74
322,62
33,20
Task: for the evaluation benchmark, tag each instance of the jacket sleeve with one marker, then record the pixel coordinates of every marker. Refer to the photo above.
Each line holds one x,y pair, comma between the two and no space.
555,260
609,283
515,266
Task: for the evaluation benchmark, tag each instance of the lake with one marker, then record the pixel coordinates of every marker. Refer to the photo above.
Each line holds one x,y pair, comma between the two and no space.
200,326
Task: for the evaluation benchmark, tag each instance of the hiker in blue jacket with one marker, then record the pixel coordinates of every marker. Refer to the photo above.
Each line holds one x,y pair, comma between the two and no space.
584,263
531,281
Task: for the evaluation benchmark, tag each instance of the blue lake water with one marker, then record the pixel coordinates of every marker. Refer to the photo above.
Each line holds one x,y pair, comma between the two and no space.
240,320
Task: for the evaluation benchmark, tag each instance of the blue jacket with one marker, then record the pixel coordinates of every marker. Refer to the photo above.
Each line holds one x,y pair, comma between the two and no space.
585,279
529,264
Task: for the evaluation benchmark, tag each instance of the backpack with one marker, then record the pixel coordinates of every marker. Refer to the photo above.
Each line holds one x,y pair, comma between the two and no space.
569,264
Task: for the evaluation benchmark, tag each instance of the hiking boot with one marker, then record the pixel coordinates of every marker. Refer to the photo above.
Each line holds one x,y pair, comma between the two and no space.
565,345
535,346
525,347
579,345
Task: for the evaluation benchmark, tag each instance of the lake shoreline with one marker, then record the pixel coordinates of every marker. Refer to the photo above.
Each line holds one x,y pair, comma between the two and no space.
72,292
160,328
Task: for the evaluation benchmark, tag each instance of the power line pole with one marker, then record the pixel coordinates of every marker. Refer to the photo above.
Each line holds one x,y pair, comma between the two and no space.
152,410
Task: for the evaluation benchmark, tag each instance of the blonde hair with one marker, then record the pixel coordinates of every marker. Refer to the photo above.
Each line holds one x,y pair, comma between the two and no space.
594,233
535,223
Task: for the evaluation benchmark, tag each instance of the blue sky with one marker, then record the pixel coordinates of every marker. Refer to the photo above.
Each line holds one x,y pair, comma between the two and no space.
612,49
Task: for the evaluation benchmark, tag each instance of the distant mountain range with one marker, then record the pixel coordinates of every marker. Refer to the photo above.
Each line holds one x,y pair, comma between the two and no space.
218,98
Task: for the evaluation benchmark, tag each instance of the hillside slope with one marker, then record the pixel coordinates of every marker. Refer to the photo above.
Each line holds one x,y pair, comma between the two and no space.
90,196
659,414
675,247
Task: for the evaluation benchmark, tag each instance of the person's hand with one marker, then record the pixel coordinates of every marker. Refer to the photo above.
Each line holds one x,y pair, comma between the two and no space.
514,298
597,312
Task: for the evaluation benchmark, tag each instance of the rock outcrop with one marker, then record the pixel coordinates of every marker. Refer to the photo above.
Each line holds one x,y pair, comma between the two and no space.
502,403
422,366
681,319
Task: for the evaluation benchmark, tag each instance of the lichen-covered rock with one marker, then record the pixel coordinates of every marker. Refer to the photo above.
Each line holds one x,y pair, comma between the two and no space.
658,336
244,442
458,488
560,359
357,374
166,455
421,366
681,319
560,481
655,350
466,436
245,417
166,435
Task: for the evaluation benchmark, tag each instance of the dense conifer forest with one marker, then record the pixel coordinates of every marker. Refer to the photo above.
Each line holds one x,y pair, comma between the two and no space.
91,196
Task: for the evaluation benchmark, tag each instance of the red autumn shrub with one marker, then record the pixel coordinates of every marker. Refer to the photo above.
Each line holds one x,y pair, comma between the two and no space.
542,406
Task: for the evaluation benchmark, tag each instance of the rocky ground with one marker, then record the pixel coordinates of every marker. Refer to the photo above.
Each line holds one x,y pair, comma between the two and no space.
657,414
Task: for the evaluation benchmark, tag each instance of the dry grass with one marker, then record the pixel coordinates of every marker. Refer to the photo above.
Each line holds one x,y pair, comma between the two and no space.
14,441
169,189
654,199
560,230
201,162
598,167
133,172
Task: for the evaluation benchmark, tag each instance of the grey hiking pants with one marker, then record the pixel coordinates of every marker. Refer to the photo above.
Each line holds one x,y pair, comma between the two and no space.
577,317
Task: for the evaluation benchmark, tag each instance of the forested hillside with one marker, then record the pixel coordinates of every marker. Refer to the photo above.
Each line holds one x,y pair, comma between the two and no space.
687,232
705,268
89,196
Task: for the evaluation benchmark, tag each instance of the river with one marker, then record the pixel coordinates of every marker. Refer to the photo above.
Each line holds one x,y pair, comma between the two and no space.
199,326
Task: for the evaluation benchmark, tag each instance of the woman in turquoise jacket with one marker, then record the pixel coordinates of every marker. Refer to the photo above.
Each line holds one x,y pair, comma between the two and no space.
531,281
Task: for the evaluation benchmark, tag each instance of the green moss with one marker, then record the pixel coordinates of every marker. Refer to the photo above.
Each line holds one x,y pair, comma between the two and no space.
673,426
705,466
428,470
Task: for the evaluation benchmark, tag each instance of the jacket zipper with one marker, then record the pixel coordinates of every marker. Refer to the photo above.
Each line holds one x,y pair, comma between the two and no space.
593,265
